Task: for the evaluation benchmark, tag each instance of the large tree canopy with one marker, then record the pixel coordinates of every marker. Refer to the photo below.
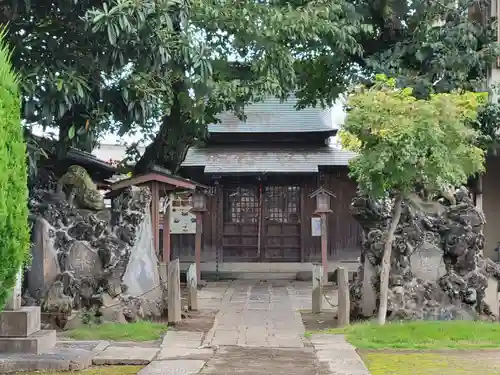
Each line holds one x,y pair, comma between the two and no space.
167,67
431,45
91,66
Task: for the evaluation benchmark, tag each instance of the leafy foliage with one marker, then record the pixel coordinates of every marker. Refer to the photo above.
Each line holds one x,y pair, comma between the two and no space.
166,68
14,235
430,45
488,127
404,141
125,66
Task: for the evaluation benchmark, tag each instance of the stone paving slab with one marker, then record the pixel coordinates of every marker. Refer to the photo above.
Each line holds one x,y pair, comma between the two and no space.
116,355
340,356
263,361
184,353
93,346
182,339
257,315
58,359
173,367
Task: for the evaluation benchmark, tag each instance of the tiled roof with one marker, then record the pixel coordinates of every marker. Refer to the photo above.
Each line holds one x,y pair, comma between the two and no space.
252,159
273,116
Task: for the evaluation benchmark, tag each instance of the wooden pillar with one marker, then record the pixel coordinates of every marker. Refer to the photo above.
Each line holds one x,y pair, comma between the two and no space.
14,301
174,292
317,291
324,247
192,283
155,215
197,244
305,222
260,225
166,228
344,304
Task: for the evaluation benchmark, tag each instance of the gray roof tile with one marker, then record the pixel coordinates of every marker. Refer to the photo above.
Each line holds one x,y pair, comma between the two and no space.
248,159
273,116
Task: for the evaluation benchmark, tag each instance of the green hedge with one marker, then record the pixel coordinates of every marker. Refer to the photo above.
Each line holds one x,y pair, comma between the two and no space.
14,232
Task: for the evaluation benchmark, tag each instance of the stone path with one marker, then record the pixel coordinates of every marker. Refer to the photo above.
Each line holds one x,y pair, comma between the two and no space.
258,330
258,315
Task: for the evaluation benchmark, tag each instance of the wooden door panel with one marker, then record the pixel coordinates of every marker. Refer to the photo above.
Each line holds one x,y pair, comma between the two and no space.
281,224
240,239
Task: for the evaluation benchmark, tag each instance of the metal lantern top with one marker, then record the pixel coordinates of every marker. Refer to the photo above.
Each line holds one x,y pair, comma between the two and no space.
323,197
199,201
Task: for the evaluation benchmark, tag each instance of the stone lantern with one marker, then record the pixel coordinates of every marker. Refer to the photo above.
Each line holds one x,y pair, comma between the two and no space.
323,197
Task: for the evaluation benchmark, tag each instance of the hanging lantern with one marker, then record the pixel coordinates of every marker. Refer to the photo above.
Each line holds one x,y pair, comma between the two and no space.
199,201
323,197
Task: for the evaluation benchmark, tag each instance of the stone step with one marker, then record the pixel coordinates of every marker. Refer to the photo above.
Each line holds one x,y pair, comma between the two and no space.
58,359
20,323
37,343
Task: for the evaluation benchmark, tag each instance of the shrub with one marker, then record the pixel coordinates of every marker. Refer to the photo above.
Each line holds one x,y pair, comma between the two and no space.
14,233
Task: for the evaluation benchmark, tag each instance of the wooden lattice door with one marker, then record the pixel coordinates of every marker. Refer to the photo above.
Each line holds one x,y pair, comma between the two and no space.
281,224
241,214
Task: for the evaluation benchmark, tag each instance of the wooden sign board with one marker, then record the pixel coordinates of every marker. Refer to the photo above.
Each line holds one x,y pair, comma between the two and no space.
182,221
316,226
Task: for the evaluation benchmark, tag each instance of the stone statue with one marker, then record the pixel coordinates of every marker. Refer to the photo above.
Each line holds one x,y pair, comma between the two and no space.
438,271
82,189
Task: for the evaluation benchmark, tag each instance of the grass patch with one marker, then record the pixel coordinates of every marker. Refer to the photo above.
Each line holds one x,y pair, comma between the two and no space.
422,335
106,370
138,331
427,364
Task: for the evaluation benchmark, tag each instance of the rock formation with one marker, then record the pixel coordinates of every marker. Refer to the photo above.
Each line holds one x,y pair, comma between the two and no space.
83,253
438,271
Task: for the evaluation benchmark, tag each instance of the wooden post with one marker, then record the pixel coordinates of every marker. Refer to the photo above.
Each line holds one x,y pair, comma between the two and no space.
14,302
197,244
317,291
324,248
155,215
192,284
174,292
166,229
260,221
344,305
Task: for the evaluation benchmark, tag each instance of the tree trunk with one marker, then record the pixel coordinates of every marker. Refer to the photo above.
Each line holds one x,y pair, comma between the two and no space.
169,147
177,131
386,260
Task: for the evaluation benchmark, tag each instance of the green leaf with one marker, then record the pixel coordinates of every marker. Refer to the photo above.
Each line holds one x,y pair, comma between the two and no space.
111,34
71,132
403,141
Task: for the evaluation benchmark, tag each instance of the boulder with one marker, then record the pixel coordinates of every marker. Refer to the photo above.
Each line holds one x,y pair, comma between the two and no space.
78,253
438,271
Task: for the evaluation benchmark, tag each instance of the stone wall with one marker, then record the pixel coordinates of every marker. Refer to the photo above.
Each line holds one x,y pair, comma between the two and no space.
438,271
84,259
